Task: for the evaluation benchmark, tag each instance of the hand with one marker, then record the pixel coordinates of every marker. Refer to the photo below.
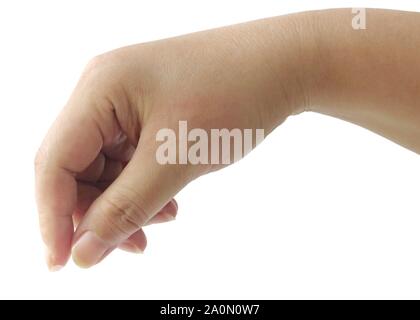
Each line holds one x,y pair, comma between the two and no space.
97,167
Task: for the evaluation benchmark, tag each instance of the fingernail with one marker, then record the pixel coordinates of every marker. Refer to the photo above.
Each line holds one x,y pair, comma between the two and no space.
168,217
52,266
55,268
175,203
89,250
130,247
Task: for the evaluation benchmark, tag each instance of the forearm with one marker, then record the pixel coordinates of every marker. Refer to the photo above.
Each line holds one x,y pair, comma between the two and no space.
369,77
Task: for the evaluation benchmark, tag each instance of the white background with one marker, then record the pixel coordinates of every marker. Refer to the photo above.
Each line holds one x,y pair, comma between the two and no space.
322,209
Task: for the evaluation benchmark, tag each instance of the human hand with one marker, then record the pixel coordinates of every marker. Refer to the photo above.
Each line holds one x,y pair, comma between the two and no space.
97,167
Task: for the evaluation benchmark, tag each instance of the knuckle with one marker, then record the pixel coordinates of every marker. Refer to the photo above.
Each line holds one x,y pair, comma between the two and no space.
125,215
96,65
95,62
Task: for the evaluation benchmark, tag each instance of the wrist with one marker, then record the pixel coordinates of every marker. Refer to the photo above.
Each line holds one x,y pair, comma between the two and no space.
296,65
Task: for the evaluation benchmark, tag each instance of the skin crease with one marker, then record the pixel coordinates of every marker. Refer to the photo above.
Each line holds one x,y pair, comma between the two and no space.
96,168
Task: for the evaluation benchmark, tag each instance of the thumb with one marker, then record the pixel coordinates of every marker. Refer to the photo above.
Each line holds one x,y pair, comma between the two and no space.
142,189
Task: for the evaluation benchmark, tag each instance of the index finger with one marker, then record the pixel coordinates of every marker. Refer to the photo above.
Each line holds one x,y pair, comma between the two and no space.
70,146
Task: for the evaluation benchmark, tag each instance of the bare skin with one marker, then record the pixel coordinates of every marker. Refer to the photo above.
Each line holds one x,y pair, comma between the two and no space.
97,179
